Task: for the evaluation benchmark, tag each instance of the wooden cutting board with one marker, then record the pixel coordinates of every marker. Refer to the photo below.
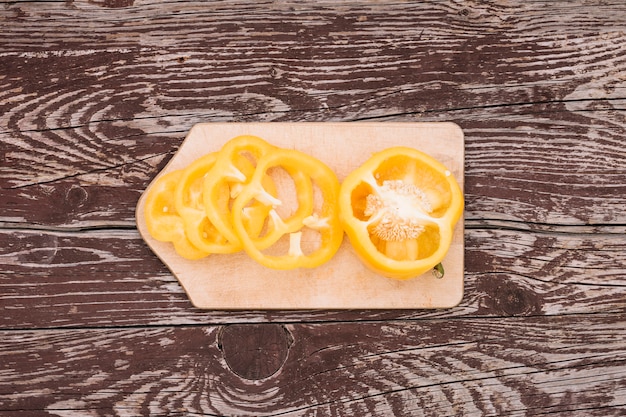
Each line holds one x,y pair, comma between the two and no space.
234,281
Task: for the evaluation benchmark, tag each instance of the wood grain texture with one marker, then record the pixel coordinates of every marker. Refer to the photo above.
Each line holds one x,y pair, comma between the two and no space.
110,278
569,365
96,96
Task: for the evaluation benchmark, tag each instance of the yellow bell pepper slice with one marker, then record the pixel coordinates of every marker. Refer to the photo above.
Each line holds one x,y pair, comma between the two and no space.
232,170
295,203
163,221
190,206
399,210
308,235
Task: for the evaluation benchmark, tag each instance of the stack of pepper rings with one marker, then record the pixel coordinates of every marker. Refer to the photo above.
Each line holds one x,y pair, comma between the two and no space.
229,200
287,209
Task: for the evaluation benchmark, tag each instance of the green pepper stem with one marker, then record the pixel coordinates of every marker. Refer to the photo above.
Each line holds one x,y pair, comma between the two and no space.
438,271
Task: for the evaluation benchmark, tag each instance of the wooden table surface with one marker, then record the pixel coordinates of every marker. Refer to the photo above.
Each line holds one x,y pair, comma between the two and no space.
96,97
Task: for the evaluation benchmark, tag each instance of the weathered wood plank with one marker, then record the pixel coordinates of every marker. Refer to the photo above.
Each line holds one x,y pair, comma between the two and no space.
503,182
508,176
574,365
110,278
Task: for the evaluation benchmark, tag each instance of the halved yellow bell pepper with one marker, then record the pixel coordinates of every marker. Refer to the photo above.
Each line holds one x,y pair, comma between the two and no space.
164,223
399,210
309,232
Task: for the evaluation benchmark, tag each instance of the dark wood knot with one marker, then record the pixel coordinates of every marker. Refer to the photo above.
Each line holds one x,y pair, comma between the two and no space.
507,297
76,197
63,202
255,351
